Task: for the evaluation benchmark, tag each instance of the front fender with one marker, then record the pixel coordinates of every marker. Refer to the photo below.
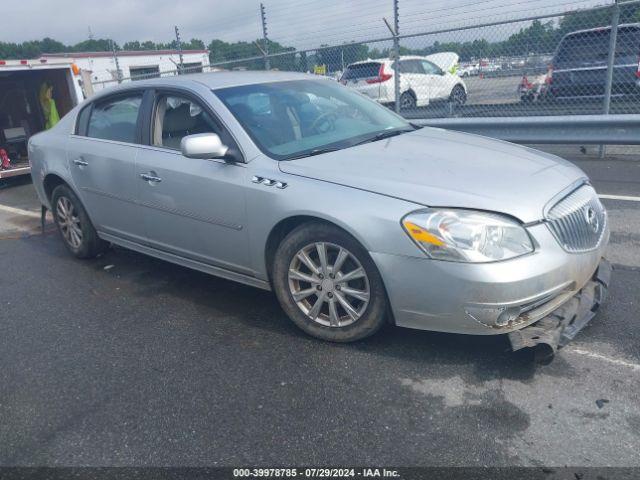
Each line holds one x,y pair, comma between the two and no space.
372,219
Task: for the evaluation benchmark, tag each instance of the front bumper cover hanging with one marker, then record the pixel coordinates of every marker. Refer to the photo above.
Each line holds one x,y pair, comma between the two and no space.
563,324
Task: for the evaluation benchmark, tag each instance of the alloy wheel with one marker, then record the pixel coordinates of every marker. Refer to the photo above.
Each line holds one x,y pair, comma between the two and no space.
407,101
329,284
458,96
69,222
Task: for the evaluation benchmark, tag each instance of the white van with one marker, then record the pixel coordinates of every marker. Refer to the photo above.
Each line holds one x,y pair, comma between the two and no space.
21,112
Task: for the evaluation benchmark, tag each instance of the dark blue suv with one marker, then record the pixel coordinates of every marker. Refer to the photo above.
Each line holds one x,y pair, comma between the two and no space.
579,66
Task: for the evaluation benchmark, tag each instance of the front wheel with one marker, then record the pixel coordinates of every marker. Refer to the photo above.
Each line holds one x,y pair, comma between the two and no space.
458,96
328,285
408,101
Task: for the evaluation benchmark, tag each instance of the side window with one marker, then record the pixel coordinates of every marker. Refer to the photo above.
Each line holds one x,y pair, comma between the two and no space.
115,119
430,68
410,66
176,117
417,66
82,120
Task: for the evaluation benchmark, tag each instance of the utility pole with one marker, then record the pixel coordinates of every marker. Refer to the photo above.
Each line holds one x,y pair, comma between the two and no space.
395,32
115,59
179,45
265,38
615,20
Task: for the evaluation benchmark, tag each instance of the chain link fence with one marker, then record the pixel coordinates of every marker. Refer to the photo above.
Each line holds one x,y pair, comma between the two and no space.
578,62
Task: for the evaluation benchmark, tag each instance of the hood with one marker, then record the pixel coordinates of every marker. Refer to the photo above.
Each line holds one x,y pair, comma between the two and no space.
445,60
440,168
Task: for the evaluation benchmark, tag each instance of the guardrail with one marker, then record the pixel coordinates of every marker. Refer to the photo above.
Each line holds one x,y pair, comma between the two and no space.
562,129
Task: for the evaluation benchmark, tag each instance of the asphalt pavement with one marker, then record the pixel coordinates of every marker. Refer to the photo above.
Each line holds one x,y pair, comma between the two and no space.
128,360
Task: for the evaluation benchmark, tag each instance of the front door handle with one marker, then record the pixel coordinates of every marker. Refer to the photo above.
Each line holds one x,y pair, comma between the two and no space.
150,178
80,162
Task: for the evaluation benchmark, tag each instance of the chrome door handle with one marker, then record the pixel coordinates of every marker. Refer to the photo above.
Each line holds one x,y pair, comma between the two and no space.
150,178
80,162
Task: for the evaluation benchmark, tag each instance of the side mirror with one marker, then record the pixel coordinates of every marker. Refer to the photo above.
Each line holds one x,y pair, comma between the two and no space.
203,145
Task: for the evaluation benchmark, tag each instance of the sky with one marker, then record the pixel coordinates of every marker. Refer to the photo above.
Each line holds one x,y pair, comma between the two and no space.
298,23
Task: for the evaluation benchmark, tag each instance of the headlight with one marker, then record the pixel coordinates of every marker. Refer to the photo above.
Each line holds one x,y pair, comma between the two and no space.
467,235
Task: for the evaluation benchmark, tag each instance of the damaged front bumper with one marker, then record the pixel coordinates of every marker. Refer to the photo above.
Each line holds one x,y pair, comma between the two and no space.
560,326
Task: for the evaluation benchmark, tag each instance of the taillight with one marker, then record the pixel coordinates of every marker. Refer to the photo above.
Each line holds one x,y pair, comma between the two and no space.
525,83
382,76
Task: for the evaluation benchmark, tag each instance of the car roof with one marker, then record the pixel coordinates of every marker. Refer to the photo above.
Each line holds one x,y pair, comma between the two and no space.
213,80
388,60
608,27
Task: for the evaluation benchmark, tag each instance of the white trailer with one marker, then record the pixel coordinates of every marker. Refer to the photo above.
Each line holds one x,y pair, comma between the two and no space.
21,114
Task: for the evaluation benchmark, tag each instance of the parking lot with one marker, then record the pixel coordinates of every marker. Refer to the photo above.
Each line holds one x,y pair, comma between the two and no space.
128,360
498,97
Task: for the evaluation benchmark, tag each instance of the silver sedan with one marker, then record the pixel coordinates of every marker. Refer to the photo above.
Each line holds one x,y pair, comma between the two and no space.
353,216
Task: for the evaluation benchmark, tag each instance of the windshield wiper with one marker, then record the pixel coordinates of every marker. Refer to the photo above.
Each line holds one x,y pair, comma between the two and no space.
382,135
311,153
378,136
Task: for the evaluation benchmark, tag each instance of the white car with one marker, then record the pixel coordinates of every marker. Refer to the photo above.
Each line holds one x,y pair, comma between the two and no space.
468,70
422,80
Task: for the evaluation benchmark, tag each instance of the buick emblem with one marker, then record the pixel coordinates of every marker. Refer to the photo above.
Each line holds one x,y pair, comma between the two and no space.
591,217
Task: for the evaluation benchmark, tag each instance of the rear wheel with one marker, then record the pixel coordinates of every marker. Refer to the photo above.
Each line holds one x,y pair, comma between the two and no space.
328,285
73,223
408,101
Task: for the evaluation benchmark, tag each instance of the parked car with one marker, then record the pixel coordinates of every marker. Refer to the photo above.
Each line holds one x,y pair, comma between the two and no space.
422,80
468,70
350,214
579,66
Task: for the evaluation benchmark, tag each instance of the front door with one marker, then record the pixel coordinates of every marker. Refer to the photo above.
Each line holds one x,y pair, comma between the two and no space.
102,156
438,81
193,208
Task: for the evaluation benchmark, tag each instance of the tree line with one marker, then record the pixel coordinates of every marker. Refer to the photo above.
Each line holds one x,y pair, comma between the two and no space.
537,37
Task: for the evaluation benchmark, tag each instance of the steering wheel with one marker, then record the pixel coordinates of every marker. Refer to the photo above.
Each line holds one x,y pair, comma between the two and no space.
327,119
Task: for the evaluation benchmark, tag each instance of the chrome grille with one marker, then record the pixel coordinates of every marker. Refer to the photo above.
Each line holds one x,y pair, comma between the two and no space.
579,220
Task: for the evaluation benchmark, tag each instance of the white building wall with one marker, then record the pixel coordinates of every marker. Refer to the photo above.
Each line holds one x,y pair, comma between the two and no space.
103,69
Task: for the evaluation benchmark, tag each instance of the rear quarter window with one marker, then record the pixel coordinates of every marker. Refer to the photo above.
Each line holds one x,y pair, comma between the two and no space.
361,70
83,120
582,49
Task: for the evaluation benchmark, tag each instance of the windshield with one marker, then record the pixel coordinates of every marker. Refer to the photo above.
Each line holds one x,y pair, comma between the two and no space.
295,118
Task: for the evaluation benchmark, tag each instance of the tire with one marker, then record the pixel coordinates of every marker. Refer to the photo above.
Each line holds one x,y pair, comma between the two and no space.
76,229
408,101
306,238
458,96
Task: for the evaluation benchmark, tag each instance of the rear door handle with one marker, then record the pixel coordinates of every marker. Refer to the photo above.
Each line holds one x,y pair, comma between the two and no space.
150,178
80,162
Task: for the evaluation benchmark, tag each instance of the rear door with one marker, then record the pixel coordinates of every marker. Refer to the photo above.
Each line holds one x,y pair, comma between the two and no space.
192,208
414,78
102,155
